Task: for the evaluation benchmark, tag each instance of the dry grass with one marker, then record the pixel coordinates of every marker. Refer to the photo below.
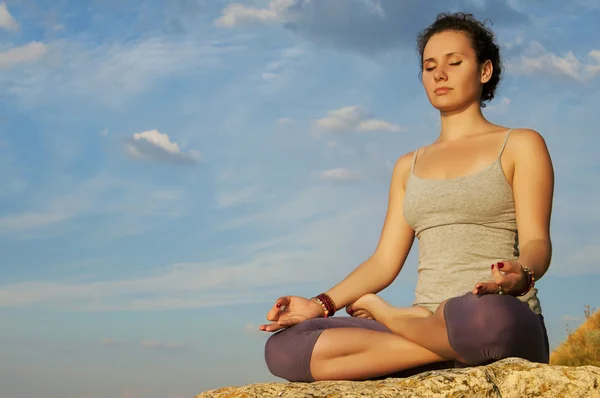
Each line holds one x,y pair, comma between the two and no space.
582,347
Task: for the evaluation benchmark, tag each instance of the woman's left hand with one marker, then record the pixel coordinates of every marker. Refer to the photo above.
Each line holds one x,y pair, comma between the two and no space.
508,275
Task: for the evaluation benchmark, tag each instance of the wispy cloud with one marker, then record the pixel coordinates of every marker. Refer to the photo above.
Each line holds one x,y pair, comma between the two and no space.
252,330
537,60
284,121
129,199
26,53
286,258
226,199
7,21
110,72
354,119
339,174
500,107
286,60
238,14
152,145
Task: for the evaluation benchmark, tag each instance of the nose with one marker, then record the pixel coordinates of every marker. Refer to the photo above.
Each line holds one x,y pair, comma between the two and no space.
439,74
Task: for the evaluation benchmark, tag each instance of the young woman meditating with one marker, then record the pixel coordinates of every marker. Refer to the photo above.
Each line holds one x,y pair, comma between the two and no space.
479,200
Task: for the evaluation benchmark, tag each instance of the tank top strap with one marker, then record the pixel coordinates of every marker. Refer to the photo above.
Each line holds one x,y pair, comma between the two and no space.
504,144
412,168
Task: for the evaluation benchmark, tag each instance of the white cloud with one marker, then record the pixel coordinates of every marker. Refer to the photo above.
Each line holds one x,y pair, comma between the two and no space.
237,14
377,125
252,330
284,121
104,132
32,220
6,20
30,52
153,145
594,69
537,60
355,119
338,174
595,54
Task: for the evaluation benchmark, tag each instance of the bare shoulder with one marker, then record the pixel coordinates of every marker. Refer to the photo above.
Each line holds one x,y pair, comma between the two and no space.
529,150
402,168
528,141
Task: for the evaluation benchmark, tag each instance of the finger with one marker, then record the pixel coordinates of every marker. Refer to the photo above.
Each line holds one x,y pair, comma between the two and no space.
273,313
271,327
509,267
291,320
486,288
361,314
499,277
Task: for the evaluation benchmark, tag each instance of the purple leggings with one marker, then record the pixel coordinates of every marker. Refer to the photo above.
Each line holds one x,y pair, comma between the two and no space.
481,329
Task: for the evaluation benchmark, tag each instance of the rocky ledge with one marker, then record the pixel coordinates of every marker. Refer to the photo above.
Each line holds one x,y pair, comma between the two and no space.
509,378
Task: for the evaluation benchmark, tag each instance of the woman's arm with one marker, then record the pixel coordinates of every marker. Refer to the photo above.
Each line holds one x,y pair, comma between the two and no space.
533,187
395,242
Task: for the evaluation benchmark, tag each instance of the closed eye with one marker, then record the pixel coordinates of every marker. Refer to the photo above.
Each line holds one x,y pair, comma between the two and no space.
453,64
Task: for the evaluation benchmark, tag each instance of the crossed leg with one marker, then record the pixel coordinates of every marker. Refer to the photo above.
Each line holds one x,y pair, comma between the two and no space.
357,354
483,329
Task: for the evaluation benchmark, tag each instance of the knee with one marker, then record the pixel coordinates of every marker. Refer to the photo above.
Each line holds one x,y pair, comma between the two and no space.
485,328
288,352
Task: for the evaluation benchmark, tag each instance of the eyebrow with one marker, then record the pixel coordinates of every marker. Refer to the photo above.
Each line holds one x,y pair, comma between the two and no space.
448,55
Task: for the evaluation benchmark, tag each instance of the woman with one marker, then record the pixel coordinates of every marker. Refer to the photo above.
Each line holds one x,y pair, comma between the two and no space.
463,197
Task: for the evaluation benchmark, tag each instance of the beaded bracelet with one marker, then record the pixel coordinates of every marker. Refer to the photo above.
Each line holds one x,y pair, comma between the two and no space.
327,303
323,306
530,280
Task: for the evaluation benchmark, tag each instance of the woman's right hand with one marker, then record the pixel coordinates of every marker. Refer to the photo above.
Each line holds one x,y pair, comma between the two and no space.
291,310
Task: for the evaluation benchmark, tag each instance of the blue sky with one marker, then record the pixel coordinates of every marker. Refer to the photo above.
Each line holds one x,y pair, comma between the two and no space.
168,169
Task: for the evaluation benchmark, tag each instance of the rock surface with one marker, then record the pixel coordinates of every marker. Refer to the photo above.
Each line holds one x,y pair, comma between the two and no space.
509,378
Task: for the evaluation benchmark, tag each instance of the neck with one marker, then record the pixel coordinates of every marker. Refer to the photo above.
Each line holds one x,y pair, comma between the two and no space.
463,122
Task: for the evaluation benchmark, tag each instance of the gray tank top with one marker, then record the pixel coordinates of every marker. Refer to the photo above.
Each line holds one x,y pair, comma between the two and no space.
463,226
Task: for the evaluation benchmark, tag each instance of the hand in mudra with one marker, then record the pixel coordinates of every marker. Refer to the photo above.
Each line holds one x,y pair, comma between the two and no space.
291,310
508,275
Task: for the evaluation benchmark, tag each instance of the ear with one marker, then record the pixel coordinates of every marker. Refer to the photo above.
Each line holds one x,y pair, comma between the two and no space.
486,71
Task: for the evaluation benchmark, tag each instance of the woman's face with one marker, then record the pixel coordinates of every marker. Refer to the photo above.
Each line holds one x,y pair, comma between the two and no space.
452,77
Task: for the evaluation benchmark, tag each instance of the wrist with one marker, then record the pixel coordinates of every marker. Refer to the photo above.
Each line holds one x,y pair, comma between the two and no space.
326,303
324,312
529,274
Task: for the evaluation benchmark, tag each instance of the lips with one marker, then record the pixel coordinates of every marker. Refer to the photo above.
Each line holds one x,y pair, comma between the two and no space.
442,90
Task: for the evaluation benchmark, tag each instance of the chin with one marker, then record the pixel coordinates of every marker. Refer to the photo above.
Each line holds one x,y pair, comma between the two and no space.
446,104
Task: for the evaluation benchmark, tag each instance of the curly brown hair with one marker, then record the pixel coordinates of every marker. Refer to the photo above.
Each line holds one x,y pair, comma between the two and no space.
482,40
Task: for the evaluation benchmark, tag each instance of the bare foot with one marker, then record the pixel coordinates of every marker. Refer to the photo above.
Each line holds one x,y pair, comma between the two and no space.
377,308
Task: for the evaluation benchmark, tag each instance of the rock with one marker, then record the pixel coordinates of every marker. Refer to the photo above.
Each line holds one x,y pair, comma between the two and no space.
508,378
